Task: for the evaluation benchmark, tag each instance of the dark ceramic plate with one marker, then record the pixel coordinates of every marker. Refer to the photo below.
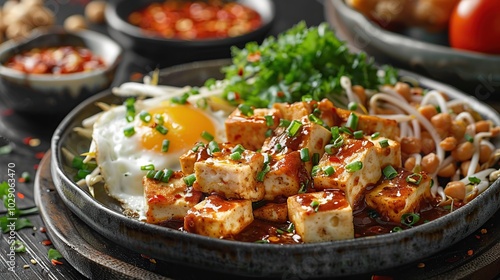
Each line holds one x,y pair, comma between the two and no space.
327,259
418,50
148,44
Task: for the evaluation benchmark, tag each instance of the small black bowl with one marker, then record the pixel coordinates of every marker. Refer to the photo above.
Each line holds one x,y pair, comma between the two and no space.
178,50
56,94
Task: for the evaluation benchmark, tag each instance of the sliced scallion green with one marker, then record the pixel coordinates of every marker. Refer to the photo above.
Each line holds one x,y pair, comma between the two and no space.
389,172
129,131
352,121
190,179
207,136
354,166
269,120
328,170
165,144
304,154
414,178
294,128
384,143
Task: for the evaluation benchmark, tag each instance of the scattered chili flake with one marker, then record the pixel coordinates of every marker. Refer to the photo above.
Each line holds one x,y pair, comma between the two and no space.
240,71
421,265
145,256
7,112
34,142
21,180
136,76
470,252
477,236
55,262
43,230
280,94
35,166
27,140
20,195
381,277
39,155
46,242
253,57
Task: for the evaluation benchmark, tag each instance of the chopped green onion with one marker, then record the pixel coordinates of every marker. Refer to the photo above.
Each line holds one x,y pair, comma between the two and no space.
150,174
304,154
315,159
469,138
267,158
213,147
158,175
354,166
390,172
345,130
18,246
284,123
190,179
396,229
194,91
317,112
246,110
303,187
409,219
278,147
235,156
207,136
180,99
338,142
315,169
294,128
197,146
290,228
375,135
352,106
315,119
145,116
315,205
306,98
129,131
77,162
269,133
159,119
238,148
414,178
335,132
148,167
329,149
262,174
82,173
352,121
269,120
358,134
263,241
165,144
384,143
474,180
328,170
161,129
130,109
167,174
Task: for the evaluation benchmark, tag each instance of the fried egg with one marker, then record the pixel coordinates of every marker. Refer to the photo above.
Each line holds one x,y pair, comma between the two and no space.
123,146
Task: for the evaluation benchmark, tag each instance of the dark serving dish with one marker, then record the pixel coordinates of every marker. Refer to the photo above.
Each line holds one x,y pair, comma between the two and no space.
176,50
418,51
326,259
56,94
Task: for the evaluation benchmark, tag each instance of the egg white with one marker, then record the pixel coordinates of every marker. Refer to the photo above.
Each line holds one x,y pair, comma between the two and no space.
120,157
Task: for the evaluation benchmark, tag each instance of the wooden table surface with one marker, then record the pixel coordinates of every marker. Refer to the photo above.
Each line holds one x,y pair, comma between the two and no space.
30,138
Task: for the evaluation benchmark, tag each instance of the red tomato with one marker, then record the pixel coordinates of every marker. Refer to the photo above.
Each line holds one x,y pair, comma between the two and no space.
475,26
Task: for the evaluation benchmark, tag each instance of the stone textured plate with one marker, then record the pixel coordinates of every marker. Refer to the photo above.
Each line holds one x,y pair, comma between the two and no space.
327,259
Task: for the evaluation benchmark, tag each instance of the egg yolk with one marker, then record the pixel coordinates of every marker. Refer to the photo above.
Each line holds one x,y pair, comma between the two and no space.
185,125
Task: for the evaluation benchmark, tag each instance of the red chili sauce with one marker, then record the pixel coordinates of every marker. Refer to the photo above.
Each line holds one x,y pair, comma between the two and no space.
189,20
55,60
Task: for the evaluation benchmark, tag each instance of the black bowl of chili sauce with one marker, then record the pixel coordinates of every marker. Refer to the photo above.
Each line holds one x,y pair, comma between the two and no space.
52,71
179,31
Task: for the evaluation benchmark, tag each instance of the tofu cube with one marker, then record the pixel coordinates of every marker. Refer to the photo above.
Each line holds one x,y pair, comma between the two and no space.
395,197
187,161
371,124
250,131
390,155
311,136
232,178
165,201
286,175
299,110
219,218
359,153
273,212
321,216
